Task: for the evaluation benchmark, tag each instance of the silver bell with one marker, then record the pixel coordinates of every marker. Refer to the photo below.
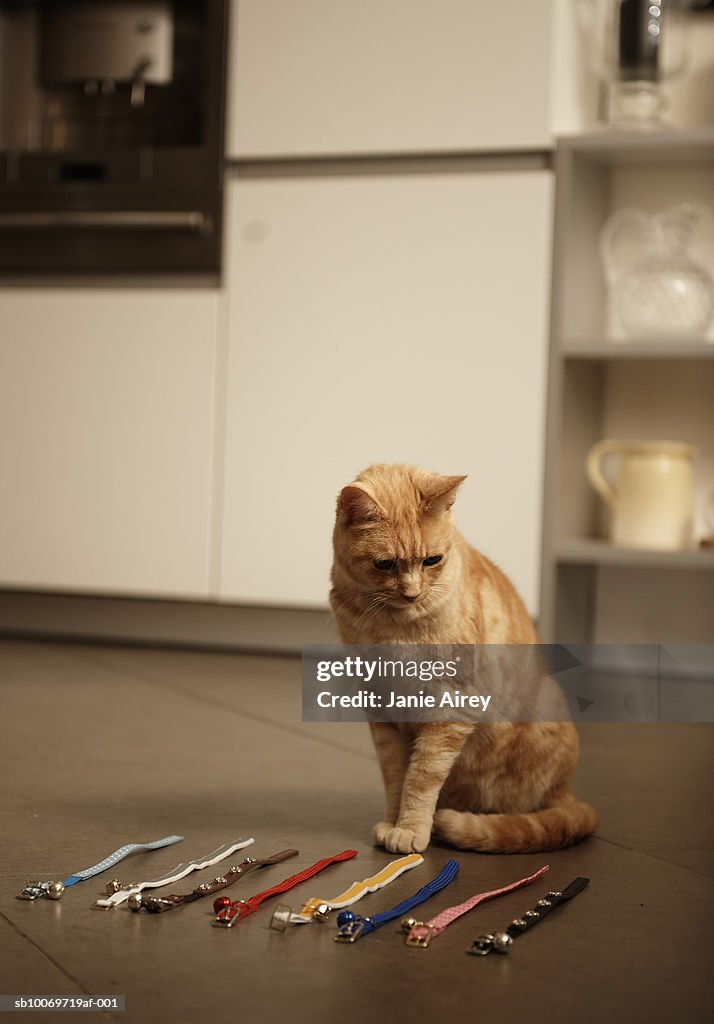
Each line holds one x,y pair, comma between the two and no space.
55,890
134,901
501,942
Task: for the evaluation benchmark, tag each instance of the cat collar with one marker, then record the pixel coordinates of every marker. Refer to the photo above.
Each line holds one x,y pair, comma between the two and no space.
501,942
160,904
316,909
54,890
420,933
353,927
228,915
117,892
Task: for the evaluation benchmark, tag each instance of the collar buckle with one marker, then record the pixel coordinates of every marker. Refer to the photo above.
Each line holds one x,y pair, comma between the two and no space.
154,904
229,916
351,930
226,918
419,935
281,917
33,891
481,946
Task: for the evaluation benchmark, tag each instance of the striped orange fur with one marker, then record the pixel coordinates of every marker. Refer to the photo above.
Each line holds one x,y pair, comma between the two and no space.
498,788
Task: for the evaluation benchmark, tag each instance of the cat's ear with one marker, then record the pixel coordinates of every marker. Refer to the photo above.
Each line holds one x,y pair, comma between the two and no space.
357,506
440,494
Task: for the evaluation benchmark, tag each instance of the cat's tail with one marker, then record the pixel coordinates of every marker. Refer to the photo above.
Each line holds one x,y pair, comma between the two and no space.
549,829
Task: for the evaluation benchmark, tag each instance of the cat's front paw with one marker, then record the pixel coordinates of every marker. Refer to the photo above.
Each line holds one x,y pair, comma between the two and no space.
404,840
380,832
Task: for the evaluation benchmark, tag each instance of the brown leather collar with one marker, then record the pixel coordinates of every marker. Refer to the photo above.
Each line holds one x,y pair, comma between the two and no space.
160,904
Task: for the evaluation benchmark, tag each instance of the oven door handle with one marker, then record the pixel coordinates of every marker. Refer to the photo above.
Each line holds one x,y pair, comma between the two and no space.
164,220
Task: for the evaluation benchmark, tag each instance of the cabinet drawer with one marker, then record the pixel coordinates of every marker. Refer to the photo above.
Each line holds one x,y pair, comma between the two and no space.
316,77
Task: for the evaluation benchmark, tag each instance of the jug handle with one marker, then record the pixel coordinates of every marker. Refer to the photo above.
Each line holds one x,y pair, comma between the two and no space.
608,257
594,460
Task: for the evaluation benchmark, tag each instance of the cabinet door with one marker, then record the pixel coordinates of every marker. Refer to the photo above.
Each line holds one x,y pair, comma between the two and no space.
106,405
381,319
309,77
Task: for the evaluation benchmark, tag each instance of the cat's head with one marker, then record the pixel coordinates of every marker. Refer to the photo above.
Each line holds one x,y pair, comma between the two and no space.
394,534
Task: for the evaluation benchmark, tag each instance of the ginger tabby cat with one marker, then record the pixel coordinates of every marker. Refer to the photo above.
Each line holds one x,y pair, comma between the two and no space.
403,574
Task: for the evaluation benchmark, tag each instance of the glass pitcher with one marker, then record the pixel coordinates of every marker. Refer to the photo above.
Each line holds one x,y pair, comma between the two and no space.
657,287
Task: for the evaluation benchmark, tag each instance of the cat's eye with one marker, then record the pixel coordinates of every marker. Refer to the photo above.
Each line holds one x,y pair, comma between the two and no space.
432,560
385,564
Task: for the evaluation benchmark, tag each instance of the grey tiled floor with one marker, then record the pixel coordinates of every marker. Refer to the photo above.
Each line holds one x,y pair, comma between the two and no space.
102,746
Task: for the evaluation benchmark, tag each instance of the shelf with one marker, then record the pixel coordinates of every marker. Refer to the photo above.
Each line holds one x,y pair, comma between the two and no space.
666,348
585,551
651,386
675,146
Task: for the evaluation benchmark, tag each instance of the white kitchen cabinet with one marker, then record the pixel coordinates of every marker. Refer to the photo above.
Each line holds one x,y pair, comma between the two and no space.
106,438
381,318
318,77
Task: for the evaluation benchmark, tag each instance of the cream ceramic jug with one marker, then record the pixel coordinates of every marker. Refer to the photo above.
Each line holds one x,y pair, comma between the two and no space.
652,500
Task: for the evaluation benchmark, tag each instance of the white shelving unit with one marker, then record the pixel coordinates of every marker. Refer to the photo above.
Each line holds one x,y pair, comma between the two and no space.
601,387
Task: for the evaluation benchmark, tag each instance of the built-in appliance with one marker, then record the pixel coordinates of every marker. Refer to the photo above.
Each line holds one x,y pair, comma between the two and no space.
111,134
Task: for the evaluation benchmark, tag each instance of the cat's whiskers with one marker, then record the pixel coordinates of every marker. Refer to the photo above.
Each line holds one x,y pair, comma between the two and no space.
338,607
351,600
375,604
433,598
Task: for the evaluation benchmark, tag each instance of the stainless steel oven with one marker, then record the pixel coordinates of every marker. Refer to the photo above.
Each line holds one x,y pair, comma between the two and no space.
111,134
